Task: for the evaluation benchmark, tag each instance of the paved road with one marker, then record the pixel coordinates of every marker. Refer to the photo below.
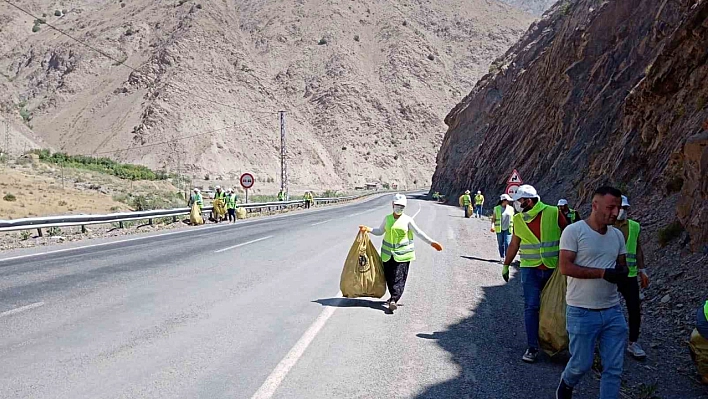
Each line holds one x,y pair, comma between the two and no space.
251,309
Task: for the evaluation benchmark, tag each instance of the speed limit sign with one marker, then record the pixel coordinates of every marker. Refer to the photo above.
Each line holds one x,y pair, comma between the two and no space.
247,180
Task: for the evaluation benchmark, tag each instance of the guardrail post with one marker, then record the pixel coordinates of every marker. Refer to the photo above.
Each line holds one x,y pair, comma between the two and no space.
83,229
121,225
39,233
174,219
150,222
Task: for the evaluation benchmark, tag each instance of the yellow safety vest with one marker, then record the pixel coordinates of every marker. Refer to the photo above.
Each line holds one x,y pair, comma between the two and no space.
573,216
466,200
497,220
533,252
705,310
478,199
398,240
632,240
220,195
231,202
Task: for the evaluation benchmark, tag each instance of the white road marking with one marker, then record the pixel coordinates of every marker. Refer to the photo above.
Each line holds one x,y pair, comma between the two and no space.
322,222
242,244
420,208
276,378
21,309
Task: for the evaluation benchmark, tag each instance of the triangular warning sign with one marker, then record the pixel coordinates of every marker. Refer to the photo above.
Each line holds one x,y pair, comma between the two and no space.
514,178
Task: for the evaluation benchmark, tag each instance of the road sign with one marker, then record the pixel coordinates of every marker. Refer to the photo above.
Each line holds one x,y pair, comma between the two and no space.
515,178
247,180
511,188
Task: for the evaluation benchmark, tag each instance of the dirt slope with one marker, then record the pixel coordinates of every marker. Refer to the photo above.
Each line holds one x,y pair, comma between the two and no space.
365,83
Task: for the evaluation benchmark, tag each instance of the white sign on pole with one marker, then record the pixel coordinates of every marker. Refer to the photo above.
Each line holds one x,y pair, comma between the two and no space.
247,180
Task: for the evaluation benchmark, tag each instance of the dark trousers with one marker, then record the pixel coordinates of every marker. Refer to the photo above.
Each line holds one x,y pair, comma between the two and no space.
468,211
630,291
307,204
232,215
396,275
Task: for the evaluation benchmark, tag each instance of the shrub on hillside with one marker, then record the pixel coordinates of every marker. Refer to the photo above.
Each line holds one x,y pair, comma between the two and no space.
356,38
322,41
103,165
57,13
9,197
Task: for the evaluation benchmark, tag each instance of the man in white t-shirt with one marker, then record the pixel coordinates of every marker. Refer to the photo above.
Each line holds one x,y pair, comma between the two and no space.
592,255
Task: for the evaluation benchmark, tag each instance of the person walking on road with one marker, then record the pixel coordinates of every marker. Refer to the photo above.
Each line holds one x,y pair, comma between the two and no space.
593,256
571,215
466,203
231,205
502,224
629,288
397,249
478,204
309,199
537,231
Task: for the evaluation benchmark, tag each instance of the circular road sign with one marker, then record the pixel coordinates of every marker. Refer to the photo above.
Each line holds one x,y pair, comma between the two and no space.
511,189
247,180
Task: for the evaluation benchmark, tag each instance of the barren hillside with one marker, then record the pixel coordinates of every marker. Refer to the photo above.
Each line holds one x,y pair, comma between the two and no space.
365,83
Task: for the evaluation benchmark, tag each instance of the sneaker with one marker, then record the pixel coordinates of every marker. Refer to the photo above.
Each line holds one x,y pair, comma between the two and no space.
564,391
530,355
636,351
392,306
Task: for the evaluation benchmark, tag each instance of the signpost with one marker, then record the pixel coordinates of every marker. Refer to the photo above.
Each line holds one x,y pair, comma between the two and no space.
247,181
513,183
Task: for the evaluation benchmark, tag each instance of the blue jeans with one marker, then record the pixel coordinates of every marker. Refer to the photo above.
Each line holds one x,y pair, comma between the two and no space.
702,323
533,280
503,239
585,328
478,210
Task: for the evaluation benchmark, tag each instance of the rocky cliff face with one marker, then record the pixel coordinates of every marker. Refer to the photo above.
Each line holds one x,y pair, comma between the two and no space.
595,92
365,83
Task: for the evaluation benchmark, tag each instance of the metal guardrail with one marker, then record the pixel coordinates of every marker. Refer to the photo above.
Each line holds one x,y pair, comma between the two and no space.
40,223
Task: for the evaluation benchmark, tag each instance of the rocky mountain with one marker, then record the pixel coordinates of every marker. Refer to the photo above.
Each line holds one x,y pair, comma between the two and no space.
197,85
535,7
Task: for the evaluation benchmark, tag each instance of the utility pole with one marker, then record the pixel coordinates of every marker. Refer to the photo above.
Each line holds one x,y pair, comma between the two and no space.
283,158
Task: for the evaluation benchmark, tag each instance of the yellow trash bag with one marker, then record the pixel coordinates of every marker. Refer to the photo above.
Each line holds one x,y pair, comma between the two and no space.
552,332
219,209
699,353
195,216
241,213
363,273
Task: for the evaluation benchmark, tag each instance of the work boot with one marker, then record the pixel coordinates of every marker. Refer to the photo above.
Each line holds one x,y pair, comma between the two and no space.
392,306
564,391
530,356
636,351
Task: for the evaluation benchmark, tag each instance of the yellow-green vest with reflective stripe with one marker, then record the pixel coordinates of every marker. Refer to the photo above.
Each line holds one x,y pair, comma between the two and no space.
632,239
478,199
398,240
466,200
220,195
573,216
533,252
231,201
705,309
497,220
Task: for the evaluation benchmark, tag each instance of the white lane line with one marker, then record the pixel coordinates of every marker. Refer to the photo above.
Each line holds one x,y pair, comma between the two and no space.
420,208
21,309
276,378
242,244
322,222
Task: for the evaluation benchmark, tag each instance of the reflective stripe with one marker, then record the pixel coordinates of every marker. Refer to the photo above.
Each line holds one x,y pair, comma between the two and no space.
403,244
537,255
540,245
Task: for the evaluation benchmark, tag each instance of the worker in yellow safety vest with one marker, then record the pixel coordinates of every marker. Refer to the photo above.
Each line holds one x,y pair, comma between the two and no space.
503,224
478,204
397,249
196,198
231,205
219,205
629,288
309,199
537,232
698,342
571,215
466,203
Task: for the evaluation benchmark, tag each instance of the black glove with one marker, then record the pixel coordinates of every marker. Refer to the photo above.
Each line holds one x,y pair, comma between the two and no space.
616,275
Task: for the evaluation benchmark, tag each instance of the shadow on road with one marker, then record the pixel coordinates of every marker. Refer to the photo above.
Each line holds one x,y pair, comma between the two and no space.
481,259
487,347
353,303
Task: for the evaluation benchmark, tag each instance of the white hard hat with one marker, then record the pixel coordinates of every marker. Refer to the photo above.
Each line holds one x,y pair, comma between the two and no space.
196,190
218,187
625,201
467,191
505,197
562,202
525,191
479,192
400,199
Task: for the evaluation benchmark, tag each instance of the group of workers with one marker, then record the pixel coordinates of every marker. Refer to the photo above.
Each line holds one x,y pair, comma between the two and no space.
466,202
602,258
225,204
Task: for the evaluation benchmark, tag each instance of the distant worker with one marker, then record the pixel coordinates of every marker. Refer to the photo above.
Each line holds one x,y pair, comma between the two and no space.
537,232
629,288
397,250
466,203
503,224
309,199
571,215
219,205
281,195
478,204
196,198
231,199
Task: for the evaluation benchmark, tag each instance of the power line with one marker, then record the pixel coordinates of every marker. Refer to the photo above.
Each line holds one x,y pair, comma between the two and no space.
119,62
